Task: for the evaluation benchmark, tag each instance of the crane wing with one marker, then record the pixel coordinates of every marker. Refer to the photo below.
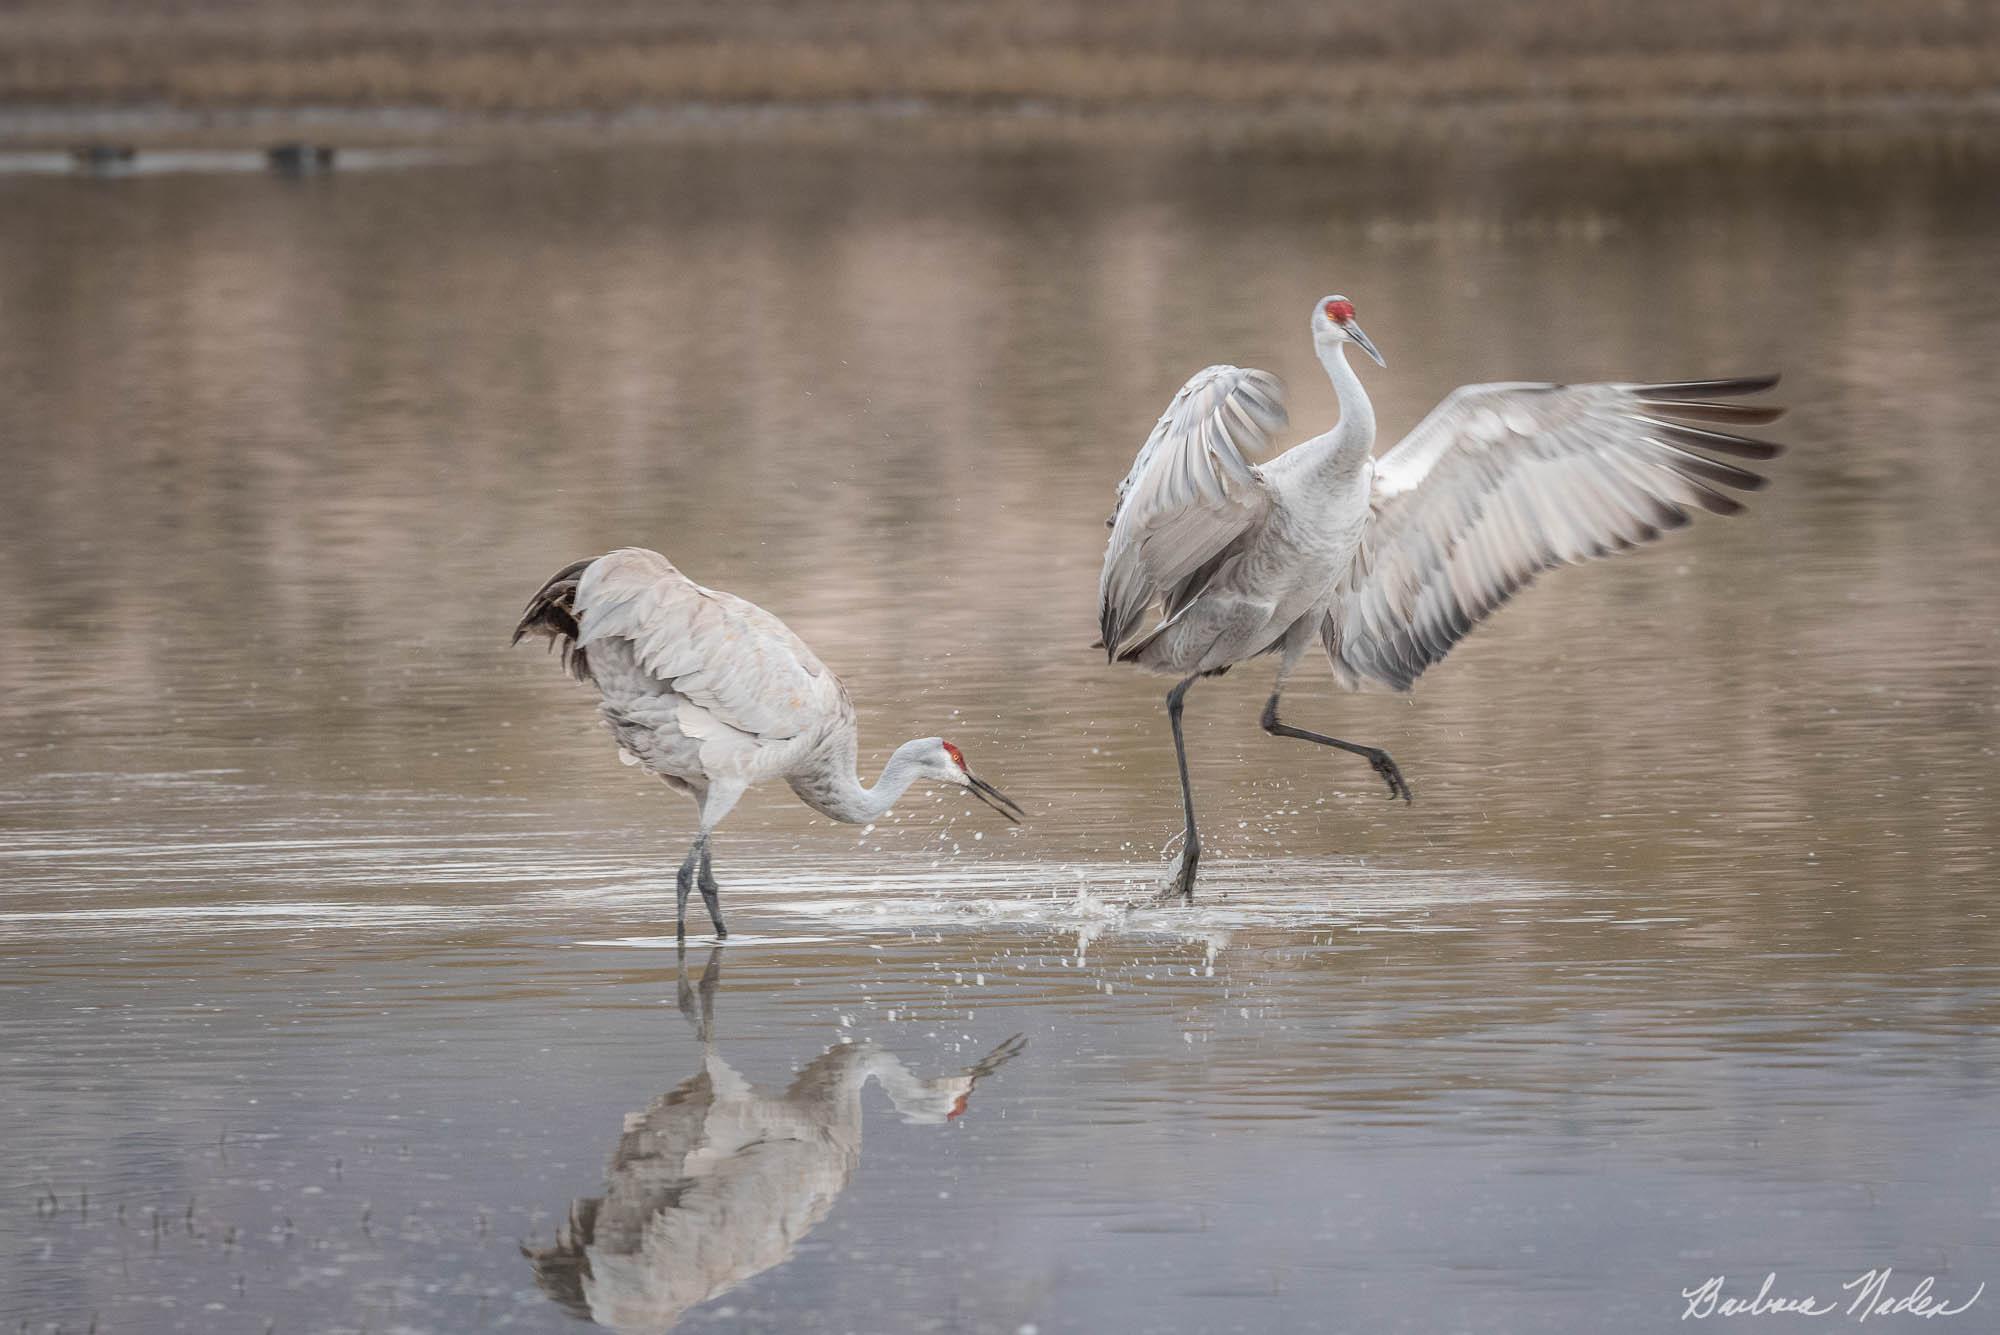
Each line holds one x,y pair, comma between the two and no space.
1191,492
1502,482
738,663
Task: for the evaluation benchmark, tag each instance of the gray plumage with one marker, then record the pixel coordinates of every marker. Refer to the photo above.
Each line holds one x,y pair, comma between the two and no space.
1191,493
1388,563
712,694
1503,482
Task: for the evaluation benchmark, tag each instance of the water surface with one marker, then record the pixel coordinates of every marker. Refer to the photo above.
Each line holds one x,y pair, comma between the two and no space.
337,948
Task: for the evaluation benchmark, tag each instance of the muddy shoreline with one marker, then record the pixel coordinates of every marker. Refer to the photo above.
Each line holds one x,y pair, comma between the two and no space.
1670,127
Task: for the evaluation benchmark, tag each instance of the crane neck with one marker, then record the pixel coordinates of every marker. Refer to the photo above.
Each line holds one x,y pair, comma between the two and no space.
1357,414
835,790
1341,452
832,1084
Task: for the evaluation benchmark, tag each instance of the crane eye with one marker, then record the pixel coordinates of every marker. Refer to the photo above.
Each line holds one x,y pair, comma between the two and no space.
957,756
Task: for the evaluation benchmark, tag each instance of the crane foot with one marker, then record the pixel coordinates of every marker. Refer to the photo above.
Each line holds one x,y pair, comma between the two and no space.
1391,775
1179,886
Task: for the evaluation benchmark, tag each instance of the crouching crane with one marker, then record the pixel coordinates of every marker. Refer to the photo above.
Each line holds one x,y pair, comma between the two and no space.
713,694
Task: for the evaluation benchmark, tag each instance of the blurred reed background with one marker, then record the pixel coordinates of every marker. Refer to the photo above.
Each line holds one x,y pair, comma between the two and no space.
1327,67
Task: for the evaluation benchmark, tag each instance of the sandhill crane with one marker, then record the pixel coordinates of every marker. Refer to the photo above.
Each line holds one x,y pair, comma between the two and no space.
1387,562
713,694
717,1181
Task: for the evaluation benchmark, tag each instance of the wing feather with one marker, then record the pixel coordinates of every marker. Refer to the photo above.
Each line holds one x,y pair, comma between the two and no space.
1501,482
1191,492
742,666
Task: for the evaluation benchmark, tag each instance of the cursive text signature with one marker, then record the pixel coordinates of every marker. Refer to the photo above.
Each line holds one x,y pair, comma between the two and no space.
1867,1295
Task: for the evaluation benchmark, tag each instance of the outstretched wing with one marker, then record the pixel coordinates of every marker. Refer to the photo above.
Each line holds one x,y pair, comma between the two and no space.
1501,482
1191,492
739,664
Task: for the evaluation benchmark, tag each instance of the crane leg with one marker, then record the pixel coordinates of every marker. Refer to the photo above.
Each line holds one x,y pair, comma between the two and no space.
711,893
1180,881
683,886
699,1006
1374,755
695,870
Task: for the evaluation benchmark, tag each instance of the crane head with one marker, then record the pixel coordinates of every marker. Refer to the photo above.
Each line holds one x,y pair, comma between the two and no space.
947,1098
946,763
935,1102
1333,322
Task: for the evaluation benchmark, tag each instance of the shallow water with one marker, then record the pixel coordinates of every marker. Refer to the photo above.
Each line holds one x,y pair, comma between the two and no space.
338,956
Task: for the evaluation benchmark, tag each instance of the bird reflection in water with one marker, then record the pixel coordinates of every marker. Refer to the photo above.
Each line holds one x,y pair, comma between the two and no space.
715,1181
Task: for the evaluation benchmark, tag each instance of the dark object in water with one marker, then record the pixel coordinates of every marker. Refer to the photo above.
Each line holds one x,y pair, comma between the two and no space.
103,157
296,159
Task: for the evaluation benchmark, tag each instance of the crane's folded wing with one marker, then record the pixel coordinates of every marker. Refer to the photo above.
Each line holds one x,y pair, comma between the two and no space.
1191,492
1502,482
742,666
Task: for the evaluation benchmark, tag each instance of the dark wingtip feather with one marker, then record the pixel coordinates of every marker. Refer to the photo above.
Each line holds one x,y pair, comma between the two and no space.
1730,414
1717,442
1711,389
1689,464
1693,400
1713,501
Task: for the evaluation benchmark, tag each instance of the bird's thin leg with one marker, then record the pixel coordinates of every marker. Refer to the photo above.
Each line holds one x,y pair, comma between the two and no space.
1374,755
699,1006
1181,880
715,799
683,885
711,893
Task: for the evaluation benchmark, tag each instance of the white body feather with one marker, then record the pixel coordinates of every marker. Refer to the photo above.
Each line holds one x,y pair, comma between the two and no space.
704,688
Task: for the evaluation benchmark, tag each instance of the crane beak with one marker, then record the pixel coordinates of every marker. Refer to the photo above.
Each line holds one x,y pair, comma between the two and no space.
994,798
1353,331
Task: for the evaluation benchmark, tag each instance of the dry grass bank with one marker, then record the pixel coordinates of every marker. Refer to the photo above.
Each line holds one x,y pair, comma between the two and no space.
1072,56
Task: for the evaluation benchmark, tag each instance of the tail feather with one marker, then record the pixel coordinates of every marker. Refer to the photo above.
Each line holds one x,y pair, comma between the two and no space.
552,612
